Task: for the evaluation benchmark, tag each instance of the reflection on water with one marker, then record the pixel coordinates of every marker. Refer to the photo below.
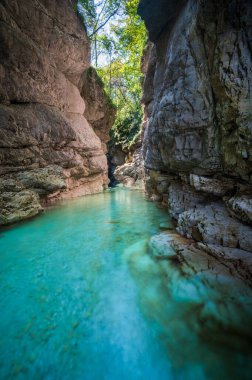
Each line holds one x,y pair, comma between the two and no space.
81,299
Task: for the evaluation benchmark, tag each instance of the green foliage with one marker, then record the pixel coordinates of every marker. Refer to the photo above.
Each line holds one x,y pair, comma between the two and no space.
126,128
117,52
97,13
75,8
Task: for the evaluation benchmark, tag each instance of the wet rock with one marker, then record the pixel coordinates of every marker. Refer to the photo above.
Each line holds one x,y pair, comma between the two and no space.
162,183
160,245
156,198
162,187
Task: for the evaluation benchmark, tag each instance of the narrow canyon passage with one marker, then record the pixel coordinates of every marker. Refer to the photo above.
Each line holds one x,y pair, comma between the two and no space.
82,299
151,279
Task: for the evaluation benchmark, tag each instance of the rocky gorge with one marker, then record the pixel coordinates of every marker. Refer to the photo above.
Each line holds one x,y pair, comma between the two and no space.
194,152
54,113
197,136
114,286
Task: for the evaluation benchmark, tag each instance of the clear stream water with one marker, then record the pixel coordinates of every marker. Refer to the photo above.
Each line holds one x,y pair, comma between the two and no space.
77,302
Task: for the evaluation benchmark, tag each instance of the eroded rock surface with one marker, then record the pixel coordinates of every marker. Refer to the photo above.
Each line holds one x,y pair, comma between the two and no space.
99,111
131,174
50,146
197,137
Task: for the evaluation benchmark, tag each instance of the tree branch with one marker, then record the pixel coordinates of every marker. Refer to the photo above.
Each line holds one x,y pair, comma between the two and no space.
105,22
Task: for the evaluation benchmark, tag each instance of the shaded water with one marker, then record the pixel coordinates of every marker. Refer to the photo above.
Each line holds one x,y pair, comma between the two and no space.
81,299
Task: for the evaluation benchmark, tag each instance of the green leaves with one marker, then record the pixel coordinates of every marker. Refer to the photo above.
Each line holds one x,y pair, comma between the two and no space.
97,13
118,36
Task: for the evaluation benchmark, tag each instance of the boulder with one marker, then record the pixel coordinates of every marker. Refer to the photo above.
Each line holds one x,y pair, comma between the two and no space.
17,206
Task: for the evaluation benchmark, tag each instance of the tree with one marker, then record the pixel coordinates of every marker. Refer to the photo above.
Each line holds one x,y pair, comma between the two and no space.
96,14
118,37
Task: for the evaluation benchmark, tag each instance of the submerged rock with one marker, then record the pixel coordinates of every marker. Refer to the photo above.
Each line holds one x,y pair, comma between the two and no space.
201,297
165,226
160,245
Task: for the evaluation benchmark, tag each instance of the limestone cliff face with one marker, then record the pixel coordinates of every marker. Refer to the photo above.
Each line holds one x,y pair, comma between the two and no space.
99,111
198,105
48,147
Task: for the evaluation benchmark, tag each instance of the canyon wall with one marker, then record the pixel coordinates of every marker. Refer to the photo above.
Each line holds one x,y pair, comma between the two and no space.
54,114
198,106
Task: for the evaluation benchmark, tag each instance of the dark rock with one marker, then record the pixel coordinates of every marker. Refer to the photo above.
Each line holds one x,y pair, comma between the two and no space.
159,14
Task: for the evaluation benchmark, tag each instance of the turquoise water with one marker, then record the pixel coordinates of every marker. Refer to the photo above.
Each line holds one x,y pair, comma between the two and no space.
81,299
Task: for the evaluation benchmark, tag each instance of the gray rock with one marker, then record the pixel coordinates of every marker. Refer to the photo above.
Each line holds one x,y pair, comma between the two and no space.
200,118
183,197
131,173
241,207
212,224
218,187
117,156
197,129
